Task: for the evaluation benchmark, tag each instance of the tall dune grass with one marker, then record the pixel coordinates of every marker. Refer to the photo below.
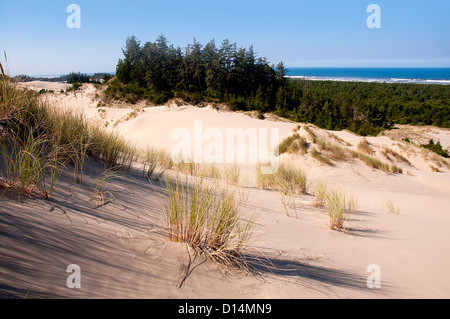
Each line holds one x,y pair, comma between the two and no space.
26,164
319,190
100,194
286,143
232,173
337,202
339,205
308,129
188,167
293,144
388,153
289,179
38,141
365,147
390,207
212,171
321,158
335,152
288,201
197,212
371,161
150,161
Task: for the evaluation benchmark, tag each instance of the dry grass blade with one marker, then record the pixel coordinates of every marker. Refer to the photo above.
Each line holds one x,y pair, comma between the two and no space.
289,179
335,203
320,188
365,147
390,207
338,203
232,173
388,153
371,161
321,158
100,195
37,141
293,144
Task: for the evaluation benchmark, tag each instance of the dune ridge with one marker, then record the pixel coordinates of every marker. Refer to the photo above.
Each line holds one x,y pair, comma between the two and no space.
123,251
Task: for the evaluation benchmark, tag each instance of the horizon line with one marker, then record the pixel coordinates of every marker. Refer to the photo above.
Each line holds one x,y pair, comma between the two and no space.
288,67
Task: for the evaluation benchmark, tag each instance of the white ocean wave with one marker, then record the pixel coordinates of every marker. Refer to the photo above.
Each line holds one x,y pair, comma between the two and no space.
353,79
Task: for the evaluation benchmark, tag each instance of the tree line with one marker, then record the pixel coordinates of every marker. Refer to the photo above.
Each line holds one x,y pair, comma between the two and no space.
72,77
157,71
362,107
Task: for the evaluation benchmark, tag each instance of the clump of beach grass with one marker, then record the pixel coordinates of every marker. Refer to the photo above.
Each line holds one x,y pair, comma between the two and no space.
375,163
310,132
212,171
319,190
328,151
100,194
286,143
188,167
232,173
30,166
288,201
388,153
288,179
365,147
321,158
255,115
338,139
395,169
150,159
38,141
390,207
293,144
165,159
434,169
112,149
352,203
371,161
199,213
439,161
336,152
339,205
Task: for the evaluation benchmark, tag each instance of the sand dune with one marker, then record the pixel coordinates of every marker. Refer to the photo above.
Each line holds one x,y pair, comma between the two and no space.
123,252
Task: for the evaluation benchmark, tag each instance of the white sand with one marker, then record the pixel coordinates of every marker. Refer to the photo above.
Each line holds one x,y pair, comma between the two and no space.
122,253
39,85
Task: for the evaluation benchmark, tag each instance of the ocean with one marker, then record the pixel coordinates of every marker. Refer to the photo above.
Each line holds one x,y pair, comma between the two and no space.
390,75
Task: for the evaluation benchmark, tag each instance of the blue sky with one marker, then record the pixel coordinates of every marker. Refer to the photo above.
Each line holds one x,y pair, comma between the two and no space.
319,33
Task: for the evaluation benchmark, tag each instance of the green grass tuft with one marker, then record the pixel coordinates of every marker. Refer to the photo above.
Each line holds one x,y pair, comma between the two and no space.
321,158
38,141
200,214
365,147
289,179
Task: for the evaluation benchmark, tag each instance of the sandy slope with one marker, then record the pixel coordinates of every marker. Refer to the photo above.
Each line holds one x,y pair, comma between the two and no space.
122,252
39,85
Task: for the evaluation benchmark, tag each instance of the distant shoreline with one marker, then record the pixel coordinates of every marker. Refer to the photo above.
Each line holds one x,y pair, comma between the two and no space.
329,77
316,78
343,79
379,75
